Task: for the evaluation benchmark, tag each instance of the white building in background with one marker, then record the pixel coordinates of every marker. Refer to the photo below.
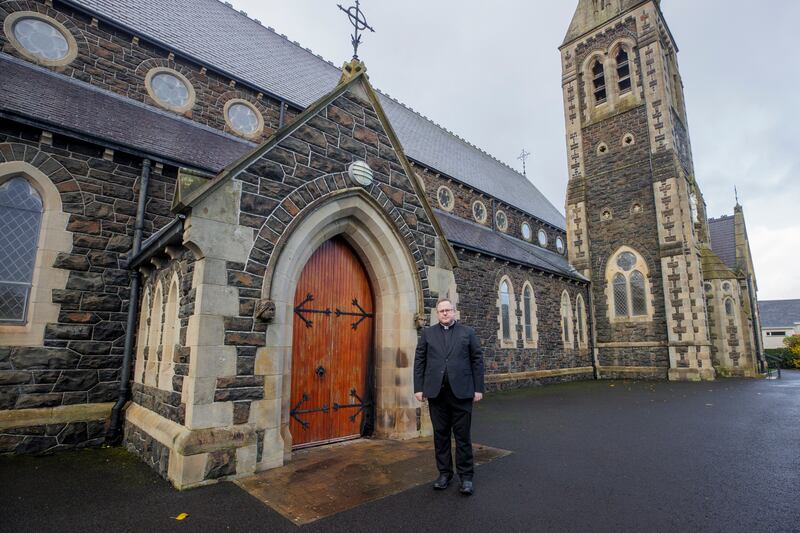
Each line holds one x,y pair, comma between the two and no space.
779,319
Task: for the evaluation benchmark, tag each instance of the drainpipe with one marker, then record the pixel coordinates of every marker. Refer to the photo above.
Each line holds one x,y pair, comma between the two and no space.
595,352
114,433
282,117
756,326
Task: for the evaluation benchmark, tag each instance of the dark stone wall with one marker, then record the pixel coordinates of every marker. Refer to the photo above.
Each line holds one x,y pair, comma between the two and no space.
115,60
618,180
80,359
478,280
52,438
149,450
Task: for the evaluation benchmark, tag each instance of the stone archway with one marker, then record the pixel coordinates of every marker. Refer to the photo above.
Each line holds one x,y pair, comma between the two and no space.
357,218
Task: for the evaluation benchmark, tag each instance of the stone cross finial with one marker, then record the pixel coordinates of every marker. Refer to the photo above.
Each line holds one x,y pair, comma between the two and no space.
359,22
524,158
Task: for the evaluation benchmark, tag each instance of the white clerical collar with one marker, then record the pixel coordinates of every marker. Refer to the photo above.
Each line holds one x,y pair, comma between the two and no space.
447,326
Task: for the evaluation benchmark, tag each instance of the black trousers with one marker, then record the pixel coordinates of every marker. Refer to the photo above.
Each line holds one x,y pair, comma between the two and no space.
451,415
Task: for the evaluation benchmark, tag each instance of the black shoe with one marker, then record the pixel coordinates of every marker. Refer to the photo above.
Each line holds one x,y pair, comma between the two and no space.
442,482
466,487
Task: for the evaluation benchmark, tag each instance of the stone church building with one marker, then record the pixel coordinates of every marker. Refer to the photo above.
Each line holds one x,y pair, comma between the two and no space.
218,247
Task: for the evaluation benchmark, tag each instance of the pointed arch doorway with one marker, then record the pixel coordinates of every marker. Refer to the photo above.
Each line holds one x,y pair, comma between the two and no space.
332,346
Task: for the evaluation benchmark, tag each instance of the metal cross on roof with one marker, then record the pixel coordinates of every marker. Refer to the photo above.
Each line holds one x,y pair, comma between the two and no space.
359,22
524,158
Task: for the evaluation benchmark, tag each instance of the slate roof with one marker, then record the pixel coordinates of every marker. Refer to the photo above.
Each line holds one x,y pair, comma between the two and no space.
72,105
219,36
722,233
480,238
779,313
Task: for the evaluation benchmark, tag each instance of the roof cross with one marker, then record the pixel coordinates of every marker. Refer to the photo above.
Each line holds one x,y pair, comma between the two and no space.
524,158
359,22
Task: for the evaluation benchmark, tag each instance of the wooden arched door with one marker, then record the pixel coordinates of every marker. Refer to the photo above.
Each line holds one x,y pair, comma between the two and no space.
331,347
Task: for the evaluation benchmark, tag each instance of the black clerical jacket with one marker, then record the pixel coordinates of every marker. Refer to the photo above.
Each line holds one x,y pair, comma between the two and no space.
461,358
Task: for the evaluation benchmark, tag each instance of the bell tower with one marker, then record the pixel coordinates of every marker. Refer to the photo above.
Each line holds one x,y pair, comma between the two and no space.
635,215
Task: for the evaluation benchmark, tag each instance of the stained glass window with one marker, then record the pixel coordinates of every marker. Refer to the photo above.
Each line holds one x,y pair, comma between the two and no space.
542,237
526,231
620,295
623,71
599,80
479,211
20,218
41,39
565,319
729,307
526,308
638,299
445,198
243,118
505,317
501,220
170,90
626,260
579,313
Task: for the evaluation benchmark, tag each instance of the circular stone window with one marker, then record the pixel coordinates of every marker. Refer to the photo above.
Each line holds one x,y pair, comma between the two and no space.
40,38
243,118
479,211
602,149
542,238
626,261
707,287
170,89
445,197
726,287
501,220
526,231
559,245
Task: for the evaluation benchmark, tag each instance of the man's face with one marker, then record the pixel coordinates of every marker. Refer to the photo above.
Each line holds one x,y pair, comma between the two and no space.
445,312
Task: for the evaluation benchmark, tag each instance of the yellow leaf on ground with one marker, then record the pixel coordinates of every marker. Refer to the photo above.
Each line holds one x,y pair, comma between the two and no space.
181,516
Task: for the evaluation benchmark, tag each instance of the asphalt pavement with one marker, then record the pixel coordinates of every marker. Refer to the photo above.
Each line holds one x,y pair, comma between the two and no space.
589,456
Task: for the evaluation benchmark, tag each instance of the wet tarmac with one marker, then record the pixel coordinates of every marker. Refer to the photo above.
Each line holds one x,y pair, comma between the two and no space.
591,456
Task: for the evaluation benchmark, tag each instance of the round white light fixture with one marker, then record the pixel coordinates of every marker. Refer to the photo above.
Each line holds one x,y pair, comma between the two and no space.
361,173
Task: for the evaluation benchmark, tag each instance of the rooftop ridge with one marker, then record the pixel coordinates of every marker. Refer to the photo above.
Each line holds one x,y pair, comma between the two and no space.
720,218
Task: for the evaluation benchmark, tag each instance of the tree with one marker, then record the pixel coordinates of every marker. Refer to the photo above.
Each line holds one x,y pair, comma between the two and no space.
793,345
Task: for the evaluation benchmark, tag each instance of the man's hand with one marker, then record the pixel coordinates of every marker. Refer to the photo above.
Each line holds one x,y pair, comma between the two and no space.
419,396
478,397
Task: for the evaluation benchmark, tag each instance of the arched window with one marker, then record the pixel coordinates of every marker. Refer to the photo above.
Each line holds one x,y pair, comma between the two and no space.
505,311
171,327
629,292
729,307
599,82
580,322
529,319
623,71
506,314
154,340
141,339
20,219
566,321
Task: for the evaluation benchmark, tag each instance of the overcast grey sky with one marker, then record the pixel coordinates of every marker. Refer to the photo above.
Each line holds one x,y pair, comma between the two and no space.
490,72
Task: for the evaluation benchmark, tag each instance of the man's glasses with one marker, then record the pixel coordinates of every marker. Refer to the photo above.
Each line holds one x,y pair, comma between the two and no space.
443,311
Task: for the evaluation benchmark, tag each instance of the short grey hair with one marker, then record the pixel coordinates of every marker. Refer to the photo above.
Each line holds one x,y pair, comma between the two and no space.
442,300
